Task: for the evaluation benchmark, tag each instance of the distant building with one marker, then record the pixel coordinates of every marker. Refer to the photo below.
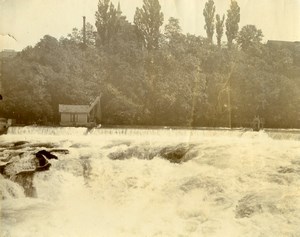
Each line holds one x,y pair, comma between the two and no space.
80,115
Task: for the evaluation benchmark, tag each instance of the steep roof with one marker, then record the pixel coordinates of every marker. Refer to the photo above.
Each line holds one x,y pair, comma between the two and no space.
73,108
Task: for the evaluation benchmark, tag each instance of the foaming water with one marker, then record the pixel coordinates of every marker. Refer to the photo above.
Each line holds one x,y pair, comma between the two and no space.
115,182
164,132
279,134
10,190
284,134
35,130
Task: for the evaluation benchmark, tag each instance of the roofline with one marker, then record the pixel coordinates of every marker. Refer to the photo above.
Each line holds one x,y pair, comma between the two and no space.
85,108
74,112
89,107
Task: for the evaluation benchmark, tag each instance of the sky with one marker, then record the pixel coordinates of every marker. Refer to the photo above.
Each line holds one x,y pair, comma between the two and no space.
25,22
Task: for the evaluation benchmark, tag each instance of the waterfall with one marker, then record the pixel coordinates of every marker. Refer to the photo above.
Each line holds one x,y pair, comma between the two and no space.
284,134
36,130
277,134
165,132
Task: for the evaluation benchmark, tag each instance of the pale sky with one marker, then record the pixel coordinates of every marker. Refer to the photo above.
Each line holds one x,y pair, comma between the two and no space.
29,20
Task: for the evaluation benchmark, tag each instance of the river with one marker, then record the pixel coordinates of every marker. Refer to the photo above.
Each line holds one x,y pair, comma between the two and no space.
117,183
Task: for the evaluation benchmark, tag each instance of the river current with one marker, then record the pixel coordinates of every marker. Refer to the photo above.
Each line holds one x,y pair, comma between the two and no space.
119,183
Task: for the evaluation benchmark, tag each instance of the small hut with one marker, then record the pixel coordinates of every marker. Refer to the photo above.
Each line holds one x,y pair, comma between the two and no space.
80,115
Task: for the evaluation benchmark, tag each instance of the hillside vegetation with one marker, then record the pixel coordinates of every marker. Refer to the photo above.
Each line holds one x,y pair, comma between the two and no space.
153,74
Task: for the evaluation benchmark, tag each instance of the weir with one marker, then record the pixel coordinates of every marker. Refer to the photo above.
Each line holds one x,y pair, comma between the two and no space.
36,130
278,134
165,132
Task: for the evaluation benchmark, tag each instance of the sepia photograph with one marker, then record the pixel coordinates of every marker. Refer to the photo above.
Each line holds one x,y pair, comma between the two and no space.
150,118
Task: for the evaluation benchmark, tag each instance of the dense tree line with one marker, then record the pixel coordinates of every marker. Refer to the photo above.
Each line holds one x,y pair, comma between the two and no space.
150,74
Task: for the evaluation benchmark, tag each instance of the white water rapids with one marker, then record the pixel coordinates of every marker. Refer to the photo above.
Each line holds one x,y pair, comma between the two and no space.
114,183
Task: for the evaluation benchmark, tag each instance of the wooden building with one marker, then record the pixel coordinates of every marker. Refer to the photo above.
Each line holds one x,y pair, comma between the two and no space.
80,115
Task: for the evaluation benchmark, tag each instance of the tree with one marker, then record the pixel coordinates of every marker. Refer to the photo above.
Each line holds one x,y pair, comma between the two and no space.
232,22
172,29
26,98
106,22
209,15
184,82
77,36
148,20
90,34
219,28
249,37
174,39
